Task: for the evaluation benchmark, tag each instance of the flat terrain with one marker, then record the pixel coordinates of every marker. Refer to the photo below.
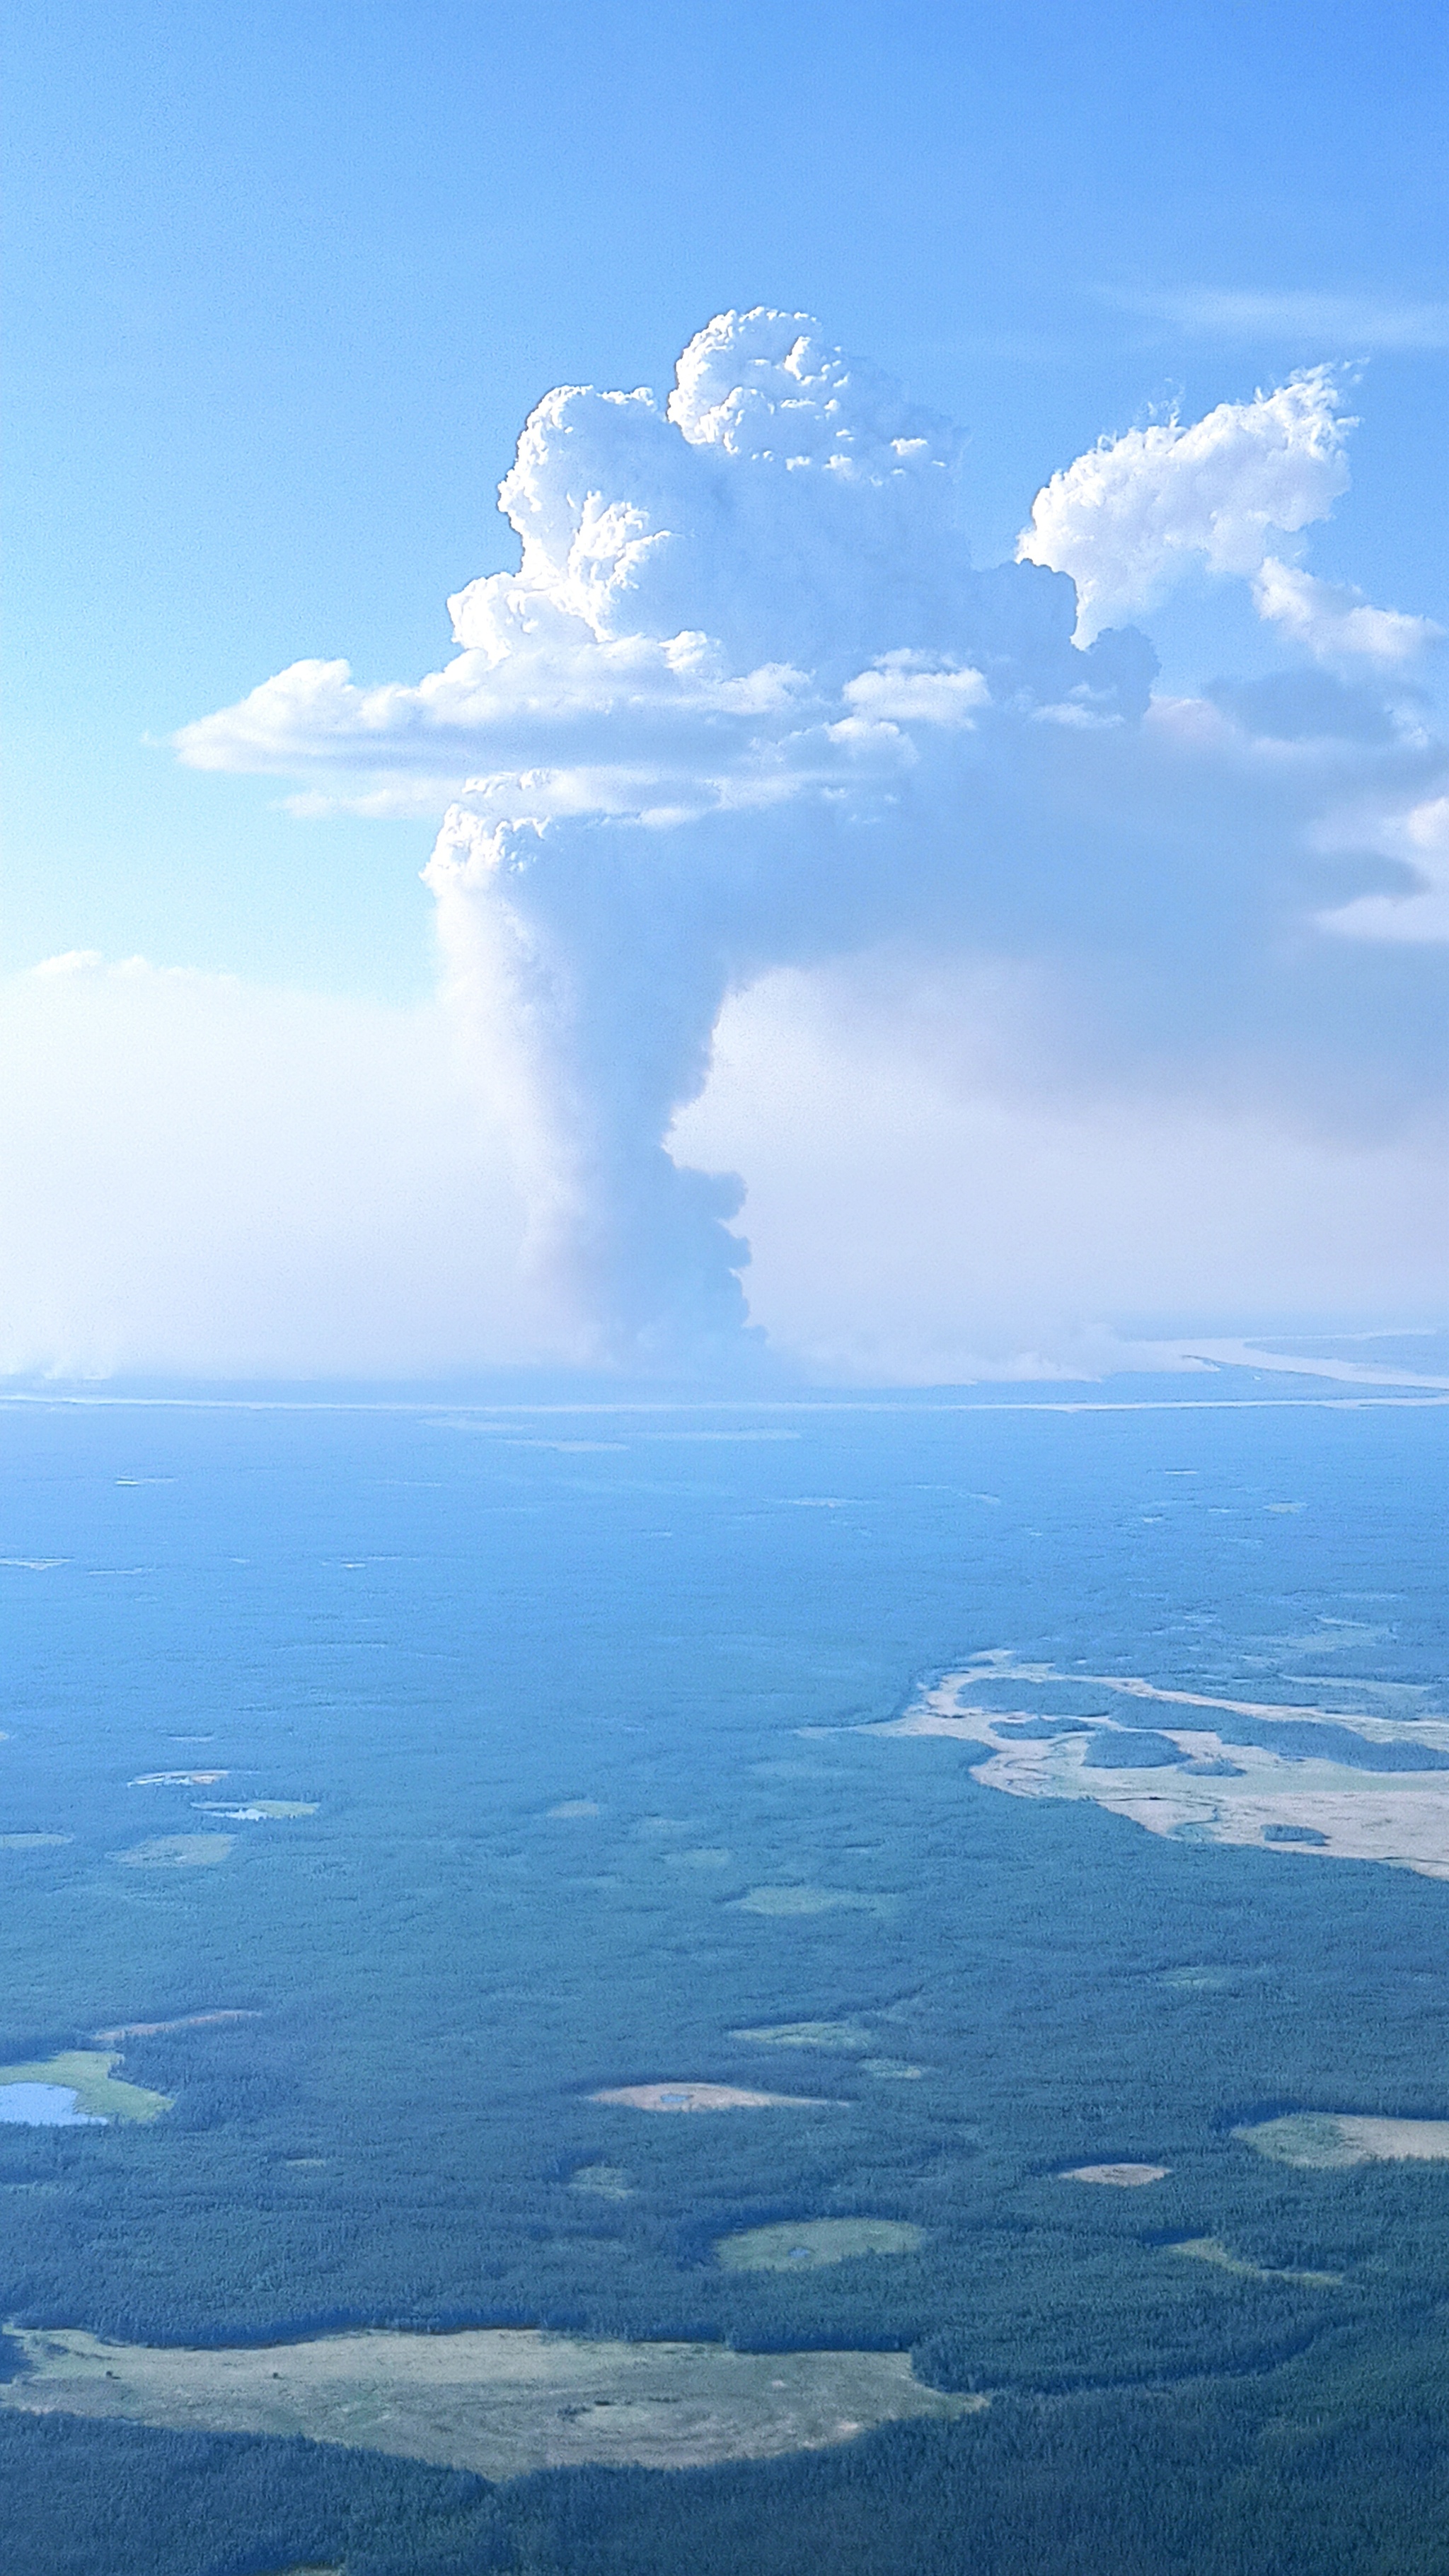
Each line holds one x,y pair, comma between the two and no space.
499,2401
804,2244
1322,2140
707,2097
838,2038
1125,2177
1210,1787
812,1900
184,2021
1211,2249
602,2182
86,2072
262,1811
177,1851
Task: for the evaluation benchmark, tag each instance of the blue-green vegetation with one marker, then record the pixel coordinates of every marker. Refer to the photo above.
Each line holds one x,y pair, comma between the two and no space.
1140,1750
436,1628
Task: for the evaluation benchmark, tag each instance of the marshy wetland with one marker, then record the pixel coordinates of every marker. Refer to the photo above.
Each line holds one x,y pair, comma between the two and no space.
502,2402
566,1962
85,2078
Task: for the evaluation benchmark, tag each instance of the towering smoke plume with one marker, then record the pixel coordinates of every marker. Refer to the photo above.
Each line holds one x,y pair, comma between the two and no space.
746,704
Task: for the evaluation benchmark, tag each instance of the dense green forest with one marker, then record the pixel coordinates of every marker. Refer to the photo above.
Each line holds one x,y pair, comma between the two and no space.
543,1681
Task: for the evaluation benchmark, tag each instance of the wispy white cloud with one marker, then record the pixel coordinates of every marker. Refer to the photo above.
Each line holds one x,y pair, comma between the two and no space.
1415,913
1337,623
1356,325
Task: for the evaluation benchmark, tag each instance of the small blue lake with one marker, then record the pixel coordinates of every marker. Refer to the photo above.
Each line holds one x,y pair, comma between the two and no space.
45,2106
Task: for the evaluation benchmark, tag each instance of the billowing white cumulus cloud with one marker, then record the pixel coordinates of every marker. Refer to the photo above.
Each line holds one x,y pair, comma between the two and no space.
1137,513
734,601
746,709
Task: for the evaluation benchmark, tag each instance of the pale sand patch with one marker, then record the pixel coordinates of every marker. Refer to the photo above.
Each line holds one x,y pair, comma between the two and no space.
501,2401
1126,2177
838,2038
1400,1817
260,1811
177,1851
1210,2249
1204,1981
187,2021
1324,2140
179,1779
572,1807
602,2182
812,1900
806,2245
709,2097
1390,2141
34,1842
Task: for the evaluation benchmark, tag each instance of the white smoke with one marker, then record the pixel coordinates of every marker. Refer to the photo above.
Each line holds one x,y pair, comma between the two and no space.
746,706
200,1176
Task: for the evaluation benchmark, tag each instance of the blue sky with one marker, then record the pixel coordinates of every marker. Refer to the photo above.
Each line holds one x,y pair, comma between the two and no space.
286,281
1039,994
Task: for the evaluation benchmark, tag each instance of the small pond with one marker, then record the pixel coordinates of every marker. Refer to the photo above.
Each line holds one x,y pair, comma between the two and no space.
46,2106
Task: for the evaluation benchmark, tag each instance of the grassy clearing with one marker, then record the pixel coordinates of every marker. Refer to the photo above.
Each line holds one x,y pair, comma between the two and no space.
1311,2139
603,2182
1323,2141
177,1851
802,2246
179,1779
707,2097
1210,2249
1202,1981
838,2038
259,1811
186,2021
813,1900
502,2401
1126,2177
86,2072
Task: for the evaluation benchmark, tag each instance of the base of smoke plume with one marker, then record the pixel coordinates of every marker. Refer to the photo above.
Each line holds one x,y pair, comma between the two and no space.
266,1185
